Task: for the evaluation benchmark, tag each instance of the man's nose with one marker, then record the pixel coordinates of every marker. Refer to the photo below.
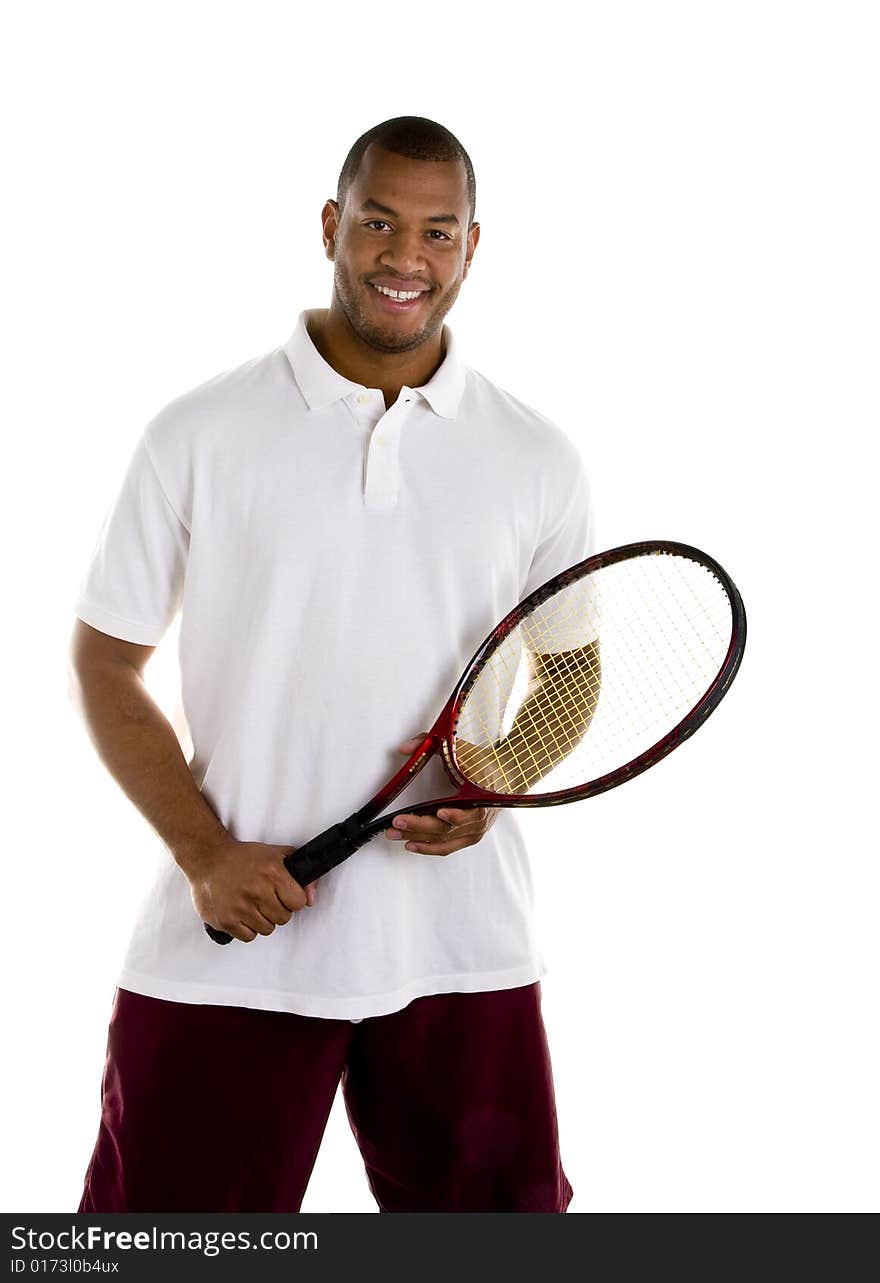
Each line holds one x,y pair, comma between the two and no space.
406,253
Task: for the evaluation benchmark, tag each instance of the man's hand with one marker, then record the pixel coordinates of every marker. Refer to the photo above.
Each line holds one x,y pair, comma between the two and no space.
450,830
243,887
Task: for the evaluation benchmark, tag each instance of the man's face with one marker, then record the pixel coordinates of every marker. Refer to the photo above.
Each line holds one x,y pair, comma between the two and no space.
417,241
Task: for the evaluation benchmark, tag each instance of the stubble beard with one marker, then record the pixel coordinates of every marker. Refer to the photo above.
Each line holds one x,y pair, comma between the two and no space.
386,338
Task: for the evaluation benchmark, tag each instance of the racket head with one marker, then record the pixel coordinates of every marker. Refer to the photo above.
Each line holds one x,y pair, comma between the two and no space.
645,604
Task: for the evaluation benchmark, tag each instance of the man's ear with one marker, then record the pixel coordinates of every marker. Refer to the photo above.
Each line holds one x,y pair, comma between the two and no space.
472,239
330,219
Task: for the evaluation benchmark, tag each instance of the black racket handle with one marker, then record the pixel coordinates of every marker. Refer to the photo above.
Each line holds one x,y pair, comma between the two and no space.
316,858
219,937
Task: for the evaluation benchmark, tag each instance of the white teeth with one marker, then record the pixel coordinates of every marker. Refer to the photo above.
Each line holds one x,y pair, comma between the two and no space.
403,295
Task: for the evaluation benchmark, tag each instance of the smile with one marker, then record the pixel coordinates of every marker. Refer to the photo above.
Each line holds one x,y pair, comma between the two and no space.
403,294
398,300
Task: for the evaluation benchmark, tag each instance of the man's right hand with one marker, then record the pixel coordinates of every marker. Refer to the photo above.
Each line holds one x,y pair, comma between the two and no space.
243,888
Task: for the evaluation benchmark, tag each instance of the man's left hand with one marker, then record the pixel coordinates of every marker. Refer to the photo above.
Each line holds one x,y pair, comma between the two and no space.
450,830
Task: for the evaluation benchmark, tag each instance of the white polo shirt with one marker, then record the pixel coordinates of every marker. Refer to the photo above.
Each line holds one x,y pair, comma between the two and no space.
336,565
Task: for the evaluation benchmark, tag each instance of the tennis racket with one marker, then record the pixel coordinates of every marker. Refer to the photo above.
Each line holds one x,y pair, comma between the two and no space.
591,679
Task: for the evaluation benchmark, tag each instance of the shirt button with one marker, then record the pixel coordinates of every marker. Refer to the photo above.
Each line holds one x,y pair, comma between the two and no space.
364,398
380,440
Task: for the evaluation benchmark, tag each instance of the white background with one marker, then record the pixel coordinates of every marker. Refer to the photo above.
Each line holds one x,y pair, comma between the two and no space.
679,265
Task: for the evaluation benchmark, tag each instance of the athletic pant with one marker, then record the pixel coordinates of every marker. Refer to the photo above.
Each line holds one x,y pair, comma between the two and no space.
222,1109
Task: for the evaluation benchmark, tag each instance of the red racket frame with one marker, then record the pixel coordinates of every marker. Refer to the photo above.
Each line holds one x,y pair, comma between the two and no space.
340,841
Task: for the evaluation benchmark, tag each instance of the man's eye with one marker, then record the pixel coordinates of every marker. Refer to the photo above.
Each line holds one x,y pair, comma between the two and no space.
380,222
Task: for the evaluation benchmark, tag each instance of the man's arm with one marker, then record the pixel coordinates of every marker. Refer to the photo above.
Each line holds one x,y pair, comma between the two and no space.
563,692
239,887
136,742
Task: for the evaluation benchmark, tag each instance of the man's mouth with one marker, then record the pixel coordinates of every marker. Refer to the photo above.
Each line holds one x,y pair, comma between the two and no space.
401,300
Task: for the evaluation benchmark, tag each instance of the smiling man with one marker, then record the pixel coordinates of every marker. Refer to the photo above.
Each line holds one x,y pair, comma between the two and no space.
399,265
339,523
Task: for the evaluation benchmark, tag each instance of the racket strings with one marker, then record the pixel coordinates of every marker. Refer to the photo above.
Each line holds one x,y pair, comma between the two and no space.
547,728
594,676
549,737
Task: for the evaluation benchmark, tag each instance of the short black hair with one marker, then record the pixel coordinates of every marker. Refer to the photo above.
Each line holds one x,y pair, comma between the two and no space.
412,136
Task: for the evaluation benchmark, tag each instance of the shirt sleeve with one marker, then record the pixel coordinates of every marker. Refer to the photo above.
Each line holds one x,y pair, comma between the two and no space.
133,586
569,529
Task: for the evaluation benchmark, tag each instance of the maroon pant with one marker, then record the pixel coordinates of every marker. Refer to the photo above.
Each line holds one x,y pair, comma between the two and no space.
222,1109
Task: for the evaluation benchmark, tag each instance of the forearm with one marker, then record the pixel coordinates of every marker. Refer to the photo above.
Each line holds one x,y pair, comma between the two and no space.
557,713
139,748
552,720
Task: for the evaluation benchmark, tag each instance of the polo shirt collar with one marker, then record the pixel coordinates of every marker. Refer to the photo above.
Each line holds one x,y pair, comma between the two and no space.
321,385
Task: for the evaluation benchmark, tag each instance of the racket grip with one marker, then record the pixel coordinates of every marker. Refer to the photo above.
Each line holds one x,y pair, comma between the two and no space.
324,852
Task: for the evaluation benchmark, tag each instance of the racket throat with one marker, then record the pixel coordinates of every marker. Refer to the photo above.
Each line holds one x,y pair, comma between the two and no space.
337,843
431,744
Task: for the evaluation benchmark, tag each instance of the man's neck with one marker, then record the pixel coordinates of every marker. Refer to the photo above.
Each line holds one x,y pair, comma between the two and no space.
389,371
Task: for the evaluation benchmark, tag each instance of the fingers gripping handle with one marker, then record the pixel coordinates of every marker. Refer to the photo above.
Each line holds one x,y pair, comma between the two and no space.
316,858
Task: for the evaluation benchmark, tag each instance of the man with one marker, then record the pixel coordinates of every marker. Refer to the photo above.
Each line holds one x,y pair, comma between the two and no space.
340,523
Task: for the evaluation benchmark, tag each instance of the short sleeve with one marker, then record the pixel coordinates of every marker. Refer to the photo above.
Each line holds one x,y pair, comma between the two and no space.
569,532
133,586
